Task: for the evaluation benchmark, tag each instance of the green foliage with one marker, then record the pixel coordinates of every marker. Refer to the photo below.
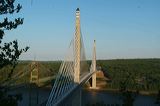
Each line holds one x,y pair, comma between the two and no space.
9,51
139,74
22,69
130,75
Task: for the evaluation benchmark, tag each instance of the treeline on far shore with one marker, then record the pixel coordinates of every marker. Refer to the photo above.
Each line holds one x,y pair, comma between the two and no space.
133,74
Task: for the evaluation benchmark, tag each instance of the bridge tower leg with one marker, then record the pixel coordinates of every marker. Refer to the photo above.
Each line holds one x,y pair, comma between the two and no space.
33,87
77,48
94,66
34,73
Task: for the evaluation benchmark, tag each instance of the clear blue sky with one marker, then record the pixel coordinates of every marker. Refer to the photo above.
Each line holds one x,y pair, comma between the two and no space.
121,28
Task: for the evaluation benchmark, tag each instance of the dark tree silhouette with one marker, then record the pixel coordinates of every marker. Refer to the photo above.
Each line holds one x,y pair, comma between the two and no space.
9,51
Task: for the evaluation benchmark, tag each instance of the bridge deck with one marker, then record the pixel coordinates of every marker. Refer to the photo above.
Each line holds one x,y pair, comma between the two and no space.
84,78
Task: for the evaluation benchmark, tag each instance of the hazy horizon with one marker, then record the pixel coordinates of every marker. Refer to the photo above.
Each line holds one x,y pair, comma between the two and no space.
97,59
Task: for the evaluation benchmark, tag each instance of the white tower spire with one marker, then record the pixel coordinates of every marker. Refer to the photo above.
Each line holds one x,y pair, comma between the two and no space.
94,66
77,48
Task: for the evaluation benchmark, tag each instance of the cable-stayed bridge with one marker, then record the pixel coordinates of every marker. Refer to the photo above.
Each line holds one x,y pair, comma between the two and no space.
74,70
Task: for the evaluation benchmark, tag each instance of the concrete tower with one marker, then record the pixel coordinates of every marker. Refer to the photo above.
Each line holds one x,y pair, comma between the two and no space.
94,66
77,48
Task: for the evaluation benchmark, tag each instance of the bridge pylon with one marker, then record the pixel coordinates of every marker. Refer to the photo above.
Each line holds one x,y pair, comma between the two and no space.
94,66
34,78
74,70
77,48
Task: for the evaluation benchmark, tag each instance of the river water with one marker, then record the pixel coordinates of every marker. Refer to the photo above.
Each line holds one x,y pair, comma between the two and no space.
87,97
114,98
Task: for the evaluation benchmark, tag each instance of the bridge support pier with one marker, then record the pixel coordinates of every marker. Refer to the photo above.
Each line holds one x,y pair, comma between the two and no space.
94,81
94,66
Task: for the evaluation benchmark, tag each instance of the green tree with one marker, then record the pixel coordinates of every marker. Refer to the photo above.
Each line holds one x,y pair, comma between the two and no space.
9,51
